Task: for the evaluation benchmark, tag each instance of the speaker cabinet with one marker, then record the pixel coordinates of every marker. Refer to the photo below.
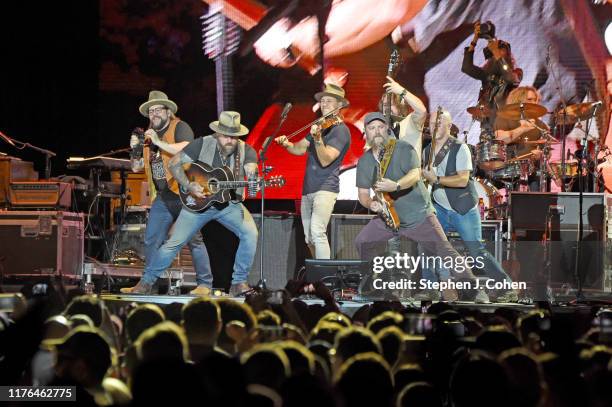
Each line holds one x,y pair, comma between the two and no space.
532,211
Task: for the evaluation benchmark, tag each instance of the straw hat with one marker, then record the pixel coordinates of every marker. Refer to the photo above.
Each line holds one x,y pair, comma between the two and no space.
229,124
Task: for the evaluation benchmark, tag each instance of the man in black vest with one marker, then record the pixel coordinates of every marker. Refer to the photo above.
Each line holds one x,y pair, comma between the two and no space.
455,198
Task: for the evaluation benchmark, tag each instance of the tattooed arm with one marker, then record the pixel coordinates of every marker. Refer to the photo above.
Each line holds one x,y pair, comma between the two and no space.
175,165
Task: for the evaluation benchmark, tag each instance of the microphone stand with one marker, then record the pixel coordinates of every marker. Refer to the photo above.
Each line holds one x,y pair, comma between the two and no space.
20,145
563,118
261,284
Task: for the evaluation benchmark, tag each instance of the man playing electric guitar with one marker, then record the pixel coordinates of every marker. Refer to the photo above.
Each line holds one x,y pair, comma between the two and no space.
402,180
222,149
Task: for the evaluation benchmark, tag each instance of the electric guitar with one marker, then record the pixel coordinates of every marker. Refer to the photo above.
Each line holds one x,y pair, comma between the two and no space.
388,213
218,185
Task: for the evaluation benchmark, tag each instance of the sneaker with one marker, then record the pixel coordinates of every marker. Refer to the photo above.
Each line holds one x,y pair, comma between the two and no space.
508,296
481,297
237,289
201,290
140,288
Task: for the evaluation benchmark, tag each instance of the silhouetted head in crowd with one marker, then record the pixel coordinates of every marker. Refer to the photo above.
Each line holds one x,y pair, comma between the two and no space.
532,325
497,339
266,365
392,342
337,318
57,327
223,379
165,341
384,320
481,369
351,342
80,320
233,311
365,380
305,390
168,382
142,318
418,394
202,321
89,305
268,318
407,374
524,377
301,360
83,357
325,331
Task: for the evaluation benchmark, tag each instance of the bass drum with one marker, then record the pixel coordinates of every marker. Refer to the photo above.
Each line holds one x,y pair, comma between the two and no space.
493,200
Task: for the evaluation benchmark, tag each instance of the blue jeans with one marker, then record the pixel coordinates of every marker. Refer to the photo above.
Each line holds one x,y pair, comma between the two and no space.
470,229
234,217
162,215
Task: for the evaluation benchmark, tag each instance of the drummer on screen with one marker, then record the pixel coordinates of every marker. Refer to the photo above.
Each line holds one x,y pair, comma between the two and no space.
521,136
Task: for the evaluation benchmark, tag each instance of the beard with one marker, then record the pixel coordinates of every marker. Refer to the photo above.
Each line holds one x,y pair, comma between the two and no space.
157,123
378,141
228,149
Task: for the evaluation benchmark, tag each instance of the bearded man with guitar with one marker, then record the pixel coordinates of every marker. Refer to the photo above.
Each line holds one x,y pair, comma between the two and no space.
392,167
221,150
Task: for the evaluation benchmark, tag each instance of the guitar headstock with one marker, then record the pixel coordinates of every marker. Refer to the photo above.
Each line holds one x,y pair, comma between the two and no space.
275,181
393,62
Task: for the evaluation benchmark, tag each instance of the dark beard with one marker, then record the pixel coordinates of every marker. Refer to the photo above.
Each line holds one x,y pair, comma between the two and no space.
162,124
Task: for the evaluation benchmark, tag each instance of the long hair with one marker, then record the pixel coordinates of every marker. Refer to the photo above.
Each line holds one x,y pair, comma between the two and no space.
519,95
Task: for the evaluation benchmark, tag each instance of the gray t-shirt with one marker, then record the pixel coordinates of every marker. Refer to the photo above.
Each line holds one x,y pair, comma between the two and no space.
317,177
413,204
463,162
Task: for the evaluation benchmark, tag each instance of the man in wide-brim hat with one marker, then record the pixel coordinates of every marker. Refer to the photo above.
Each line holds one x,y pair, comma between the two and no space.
221,149
168,135
326,148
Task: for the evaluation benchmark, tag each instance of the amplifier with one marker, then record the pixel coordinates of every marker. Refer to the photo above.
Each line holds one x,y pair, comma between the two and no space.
40,194
41,242
345,228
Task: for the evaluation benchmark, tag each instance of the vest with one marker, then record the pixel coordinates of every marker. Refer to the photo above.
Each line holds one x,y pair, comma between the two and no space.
172,184
460,199
207,156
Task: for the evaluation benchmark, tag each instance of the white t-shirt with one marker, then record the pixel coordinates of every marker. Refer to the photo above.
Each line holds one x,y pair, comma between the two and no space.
411,128
463,162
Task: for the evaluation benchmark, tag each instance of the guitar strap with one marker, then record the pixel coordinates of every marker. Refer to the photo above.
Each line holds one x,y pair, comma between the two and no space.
386,159
443,152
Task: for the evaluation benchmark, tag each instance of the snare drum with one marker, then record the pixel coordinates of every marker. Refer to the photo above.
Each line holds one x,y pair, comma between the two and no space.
491,155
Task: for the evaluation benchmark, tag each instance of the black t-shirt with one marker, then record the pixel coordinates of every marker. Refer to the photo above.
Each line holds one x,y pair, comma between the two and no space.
182,133
319,178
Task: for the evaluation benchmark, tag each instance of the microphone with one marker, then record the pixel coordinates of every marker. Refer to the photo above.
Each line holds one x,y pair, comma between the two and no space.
286,109
7,139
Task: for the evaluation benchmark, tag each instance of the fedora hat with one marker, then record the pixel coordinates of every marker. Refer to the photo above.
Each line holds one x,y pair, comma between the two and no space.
333,91
229,124
157,97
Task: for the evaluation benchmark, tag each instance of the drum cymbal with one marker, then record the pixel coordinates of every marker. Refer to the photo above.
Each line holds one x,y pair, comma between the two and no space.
578,111
479,112
528,110
537,142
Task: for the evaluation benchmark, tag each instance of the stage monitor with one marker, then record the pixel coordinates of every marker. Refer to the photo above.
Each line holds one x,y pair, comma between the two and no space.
336,274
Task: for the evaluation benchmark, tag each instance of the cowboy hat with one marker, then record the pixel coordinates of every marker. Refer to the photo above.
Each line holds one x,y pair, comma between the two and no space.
157,97
333,91
229,125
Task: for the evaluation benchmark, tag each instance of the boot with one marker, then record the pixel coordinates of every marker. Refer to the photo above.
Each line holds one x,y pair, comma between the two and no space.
237,289
140,288
201,290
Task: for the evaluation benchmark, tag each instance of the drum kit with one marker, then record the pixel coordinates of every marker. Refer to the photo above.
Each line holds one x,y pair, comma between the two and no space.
499,168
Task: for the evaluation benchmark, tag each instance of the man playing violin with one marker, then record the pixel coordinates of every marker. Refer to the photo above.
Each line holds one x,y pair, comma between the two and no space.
326,145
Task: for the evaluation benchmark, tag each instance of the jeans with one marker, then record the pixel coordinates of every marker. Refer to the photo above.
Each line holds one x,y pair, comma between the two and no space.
469,228
234,217
316,211
428,234
162,215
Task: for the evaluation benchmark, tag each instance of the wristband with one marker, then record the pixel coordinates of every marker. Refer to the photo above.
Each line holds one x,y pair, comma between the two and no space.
398,188
403,94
